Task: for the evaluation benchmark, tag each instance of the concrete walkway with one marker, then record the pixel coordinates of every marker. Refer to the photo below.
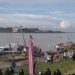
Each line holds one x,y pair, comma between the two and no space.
70,72
7,64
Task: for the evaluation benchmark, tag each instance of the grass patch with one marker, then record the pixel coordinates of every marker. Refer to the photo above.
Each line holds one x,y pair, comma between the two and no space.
64,65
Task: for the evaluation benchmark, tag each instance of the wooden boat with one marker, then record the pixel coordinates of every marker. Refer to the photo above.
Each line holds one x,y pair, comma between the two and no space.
17,58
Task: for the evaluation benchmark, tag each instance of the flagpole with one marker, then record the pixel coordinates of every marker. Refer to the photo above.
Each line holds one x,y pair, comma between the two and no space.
30,56
23,36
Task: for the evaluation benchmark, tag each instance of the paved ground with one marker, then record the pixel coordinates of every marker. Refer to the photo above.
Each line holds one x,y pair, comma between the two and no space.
7,64
70,72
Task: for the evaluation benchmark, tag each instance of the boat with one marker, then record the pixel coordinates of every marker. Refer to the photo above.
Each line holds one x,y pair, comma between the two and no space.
11,49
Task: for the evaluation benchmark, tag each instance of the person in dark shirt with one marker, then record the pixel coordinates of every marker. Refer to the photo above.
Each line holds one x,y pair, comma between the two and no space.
58,72
7,72
11,71
13,64
1,72
21,72
73,57
34,66
52,57
54,73
48,72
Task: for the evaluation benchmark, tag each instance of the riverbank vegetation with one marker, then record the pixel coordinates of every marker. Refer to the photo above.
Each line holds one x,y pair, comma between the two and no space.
65,66
26,30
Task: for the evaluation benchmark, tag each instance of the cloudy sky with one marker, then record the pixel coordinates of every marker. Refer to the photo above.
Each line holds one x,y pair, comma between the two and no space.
44,14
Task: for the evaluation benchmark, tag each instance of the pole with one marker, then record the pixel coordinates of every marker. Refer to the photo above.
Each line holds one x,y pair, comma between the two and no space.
23,36
30,57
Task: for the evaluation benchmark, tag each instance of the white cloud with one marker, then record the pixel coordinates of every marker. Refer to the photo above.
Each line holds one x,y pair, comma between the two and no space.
27,20
25,15
45,21
1,19
64,24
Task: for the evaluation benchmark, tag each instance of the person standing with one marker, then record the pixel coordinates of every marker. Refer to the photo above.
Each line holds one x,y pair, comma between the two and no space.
48,58
1,72
48,72
13,63
58,72
54,73
11,71
73,57
7,72
34,65
21,72
52,57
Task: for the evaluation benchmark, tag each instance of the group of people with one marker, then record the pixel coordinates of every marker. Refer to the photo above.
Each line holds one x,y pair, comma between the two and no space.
37,52
10,71
48,72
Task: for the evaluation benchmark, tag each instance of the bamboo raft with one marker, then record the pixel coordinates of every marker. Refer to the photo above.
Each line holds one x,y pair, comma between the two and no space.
10,57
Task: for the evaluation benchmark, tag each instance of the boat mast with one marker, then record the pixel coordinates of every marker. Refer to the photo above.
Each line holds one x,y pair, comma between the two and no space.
23,36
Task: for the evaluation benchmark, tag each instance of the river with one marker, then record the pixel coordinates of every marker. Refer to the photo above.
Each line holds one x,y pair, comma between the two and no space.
46,41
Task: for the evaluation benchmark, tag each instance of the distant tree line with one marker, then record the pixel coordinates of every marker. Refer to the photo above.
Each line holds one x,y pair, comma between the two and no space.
6,30
27,30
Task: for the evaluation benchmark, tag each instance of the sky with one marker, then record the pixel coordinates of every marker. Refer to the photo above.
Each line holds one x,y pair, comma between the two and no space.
42,14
